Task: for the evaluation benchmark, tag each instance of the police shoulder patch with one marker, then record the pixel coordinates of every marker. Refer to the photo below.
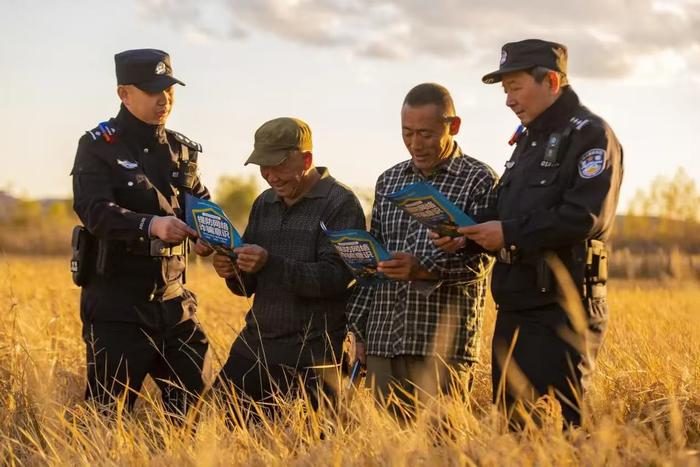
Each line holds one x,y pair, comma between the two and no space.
182,139
105,131
592,163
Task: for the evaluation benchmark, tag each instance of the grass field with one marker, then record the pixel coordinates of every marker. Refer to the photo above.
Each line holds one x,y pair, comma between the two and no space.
644,407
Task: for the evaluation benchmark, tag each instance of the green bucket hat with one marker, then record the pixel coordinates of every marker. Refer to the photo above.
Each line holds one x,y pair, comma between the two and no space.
274,140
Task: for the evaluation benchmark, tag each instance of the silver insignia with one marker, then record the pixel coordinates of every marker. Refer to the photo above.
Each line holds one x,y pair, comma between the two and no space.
128,165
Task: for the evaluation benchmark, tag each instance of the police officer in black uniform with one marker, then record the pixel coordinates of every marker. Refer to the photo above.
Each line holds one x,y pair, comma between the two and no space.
555,212
129,181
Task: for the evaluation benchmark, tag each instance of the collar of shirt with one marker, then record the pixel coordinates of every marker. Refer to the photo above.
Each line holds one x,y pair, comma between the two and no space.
319,190
142,132
451,165
559,112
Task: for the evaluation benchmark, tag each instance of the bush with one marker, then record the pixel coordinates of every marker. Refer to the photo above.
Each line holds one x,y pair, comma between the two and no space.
236,195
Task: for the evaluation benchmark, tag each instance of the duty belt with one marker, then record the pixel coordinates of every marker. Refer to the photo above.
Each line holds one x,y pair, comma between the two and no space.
156,247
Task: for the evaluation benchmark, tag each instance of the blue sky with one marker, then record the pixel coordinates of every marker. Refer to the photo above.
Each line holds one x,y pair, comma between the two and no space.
344,67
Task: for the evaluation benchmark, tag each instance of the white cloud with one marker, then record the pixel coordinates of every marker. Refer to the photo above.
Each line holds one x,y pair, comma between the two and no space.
605,39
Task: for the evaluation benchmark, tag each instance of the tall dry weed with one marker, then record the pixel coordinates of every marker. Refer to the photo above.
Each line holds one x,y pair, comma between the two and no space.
643,409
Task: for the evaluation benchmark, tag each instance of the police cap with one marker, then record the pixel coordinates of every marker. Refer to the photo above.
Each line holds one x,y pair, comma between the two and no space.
527,54
147,69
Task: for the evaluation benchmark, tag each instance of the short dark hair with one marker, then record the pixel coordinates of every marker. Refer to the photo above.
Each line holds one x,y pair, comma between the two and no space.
431,93
540,72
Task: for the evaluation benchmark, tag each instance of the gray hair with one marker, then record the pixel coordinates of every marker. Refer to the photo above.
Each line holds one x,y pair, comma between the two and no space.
539,73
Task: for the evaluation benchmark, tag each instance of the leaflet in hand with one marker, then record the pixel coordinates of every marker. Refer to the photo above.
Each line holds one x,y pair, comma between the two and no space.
360,251
212,224
427,205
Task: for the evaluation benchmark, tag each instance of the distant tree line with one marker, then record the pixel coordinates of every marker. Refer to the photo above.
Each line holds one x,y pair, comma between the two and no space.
665,216
36,227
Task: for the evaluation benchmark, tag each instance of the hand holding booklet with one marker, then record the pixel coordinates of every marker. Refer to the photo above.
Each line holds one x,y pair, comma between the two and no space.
360,251
427,205
212,225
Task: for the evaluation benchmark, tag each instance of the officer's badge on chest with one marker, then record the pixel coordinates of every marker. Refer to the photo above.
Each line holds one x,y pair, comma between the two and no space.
591,163
128,165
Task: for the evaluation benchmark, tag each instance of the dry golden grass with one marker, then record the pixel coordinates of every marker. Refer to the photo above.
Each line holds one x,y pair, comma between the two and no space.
644,405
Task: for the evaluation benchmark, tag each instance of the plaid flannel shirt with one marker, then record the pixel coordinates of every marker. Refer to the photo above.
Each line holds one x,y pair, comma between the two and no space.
399,317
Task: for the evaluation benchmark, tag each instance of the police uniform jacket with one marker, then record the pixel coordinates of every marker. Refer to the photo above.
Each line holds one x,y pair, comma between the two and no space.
125,173
556,200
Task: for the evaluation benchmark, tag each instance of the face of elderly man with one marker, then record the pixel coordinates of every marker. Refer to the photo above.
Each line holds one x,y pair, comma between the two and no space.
526,97
287,178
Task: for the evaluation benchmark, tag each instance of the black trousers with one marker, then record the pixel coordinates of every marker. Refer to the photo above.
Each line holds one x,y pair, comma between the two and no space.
264,384
171,347
547,355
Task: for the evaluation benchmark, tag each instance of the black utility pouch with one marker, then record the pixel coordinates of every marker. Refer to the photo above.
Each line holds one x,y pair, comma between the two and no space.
545,277
188,173
83,255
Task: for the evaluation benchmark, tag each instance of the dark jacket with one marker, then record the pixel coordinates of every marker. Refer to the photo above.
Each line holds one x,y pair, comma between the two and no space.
556,206
125,173
298,313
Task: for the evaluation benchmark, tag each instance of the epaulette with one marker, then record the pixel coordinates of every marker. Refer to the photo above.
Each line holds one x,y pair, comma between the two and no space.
578,123
105,131
185,140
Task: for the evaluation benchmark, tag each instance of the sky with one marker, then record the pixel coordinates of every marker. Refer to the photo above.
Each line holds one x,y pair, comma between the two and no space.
343,66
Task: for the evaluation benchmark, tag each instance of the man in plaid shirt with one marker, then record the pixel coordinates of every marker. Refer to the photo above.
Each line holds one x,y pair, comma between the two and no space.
432,310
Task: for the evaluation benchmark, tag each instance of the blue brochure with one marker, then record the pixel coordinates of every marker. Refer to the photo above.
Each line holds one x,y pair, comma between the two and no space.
360,251
427,205
212,224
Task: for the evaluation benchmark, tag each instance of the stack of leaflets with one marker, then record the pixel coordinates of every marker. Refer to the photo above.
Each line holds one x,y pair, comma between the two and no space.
212,225
360,251
427,205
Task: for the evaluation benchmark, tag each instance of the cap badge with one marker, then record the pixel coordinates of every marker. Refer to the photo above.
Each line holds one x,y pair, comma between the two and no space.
160,68
504,56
